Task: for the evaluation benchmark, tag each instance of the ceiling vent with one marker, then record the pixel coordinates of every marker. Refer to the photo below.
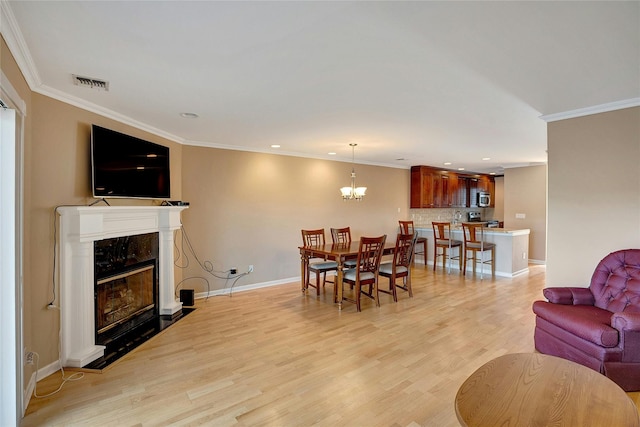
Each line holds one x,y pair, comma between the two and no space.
90,82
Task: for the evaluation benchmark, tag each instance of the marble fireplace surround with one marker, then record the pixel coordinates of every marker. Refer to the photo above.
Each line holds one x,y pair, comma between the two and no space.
80,226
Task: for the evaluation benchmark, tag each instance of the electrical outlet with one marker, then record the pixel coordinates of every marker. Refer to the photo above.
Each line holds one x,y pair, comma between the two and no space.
524,255
521,216
233,271
251,268
28,358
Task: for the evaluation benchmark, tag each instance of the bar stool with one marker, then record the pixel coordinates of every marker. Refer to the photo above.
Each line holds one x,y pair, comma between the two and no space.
406,227
474,242
442,240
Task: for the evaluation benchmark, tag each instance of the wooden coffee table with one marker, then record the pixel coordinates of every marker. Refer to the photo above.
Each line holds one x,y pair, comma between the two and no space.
539,390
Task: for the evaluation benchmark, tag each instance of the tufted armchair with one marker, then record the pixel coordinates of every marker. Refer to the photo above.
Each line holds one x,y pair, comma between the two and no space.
598,326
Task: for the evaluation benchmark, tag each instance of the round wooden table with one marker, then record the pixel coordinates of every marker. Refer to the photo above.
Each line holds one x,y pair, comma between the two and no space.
539,390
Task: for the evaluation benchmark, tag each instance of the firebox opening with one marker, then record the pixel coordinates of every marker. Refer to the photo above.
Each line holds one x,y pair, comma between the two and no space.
124,301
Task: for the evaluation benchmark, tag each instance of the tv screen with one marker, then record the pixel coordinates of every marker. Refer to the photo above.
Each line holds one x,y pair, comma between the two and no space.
125,166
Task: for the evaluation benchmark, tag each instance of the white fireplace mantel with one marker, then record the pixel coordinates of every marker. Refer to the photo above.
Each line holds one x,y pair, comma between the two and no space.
80,226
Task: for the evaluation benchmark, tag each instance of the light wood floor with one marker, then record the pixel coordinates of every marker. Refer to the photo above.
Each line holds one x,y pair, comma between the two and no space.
278,357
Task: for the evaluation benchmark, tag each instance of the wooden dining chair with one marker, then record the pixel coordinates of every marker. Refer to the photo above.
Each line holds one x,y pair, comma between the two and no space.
342,236
316,238
406,227
443,245
366,271
400,267
474,242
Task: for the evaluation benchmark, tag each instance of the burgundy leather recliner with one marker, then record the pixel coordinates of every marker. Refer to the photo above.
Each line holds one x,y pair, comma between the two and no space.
598,326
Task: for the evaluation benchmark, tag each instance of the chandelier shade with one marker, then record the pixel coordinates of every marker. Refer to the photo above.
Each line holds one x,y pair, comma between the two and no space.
353,192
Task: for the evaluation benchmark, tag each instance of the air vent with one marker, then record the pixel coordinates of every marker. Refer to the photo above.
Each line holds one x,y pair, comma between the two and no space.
90,82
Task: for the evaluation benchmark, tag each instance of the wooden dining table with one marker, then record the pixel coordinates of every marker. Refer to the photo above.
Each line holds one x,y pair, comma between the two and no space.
338,252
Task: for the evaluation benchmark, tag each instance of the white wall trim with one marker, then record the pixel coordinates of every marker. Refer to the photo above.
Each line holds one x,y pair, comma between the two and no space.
602,108
17,45
229,290
9,92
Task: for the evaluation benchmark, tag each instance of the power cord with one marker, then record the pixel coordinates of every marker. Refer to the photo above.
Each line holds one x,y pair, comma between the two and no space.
73,377
206,266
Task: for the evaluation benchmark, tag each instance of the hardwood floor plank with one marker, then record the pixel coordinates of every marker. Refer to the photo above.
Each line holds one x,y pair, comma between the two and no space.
279,357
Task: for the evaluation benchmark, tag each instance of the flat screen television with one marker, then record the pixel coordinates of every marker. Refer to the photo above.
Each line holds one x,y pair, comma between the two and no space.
128,167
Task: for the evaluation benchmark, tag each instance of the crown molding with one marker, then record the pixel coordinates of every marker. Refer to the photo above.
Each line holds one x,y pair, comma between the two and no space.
105,112
17,45
602,108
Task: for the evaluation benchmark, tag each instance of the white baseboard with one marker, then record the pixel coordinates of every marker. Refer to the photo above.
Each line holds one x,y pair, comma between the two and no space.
227,291
41,374
28,392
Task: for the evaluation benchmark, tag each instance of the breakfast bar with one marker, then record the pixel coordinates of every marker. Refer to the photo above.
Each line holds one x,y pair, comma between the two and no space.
512,248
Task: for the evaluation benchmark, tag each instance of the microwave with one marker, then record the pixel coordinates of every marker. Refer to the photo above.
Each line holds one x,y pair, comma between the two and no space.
484,199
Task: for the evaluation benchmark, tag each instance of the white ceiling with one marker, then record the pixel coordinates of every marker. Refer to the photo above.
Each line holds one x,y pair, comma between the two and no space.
427,82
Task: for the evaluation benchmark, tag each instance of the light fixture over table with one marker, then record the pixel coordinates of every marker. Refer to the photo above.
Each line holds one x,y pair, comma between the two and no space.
353,192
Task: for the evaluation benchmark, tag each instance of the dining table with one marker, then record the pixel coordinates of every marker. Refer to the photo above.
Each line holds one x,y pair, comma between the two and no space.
338,252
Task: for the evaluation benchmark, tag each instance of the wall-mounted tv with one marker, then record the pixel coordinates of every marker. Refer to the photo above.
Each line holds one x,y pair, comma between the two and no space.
129,167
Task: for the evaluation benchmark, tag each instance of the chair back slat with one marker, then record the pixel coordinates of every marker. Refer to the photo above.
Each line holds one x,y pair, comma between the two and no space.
441,230
471,233
313,237
370,254
406,227
405,245
341,235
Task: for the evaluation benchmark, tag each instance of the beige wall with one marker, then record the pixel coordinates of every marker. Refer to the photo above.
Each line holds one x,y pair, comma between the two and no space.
56,172
594,192
525,192
248,208
59,173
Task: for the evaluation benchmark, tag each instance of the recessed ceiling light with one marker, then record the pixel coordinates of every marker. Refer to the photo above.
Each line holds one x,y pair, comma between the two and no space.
460,169
486,158
332,153
492,173
447,163
401,159
275,146
189,115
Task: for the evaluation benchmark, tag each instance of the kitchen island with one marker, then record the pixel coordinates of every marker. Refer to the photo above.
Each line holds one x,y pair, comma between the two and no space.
512,250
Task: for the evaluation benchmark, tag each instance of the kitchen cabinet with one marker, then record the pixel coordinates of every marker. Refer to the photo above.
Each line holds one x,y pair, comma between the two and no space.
438,188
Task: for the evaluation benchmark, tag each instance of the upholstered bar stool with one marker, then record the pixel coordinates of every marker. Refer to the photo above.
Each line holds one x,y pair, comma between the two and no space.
406,227
443,245
474,242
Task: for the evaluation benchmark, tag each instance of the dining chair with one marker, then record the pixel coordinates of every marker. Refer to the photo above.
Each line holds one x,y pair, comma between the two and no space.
406,227
365,273
400,267
316,238
474,241
443,245
342,236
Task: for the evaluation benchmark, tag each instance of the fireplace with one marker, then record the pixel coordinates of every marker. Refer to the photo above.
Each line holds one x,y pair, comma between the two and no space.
126,285
86,259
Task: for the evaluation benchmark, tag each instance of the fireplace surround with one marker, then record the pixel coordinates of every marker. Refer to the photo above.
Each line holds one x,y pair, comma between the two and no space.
80,228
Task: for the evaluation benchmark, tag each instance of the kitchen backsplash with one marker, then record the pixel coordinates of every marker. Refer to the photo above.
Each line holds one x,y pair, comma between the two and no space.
423,217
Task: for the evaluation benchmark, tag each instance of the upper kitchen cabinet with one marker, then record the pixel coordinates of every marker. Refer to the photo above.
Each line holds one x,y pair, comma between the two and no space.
481,184
438,188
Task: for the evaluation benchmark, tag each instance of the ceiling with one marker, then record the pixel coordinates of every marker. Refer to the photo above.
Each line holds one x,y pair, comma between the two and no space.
409,82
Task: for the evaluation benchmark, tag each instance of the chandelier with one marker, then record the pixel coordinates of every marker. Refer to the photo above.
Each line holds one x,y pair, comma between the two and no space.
353,192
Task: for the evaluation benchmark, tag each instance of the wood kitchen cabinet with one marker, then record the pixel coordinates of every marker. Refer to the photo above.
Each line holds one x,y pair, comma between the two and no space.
438,188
